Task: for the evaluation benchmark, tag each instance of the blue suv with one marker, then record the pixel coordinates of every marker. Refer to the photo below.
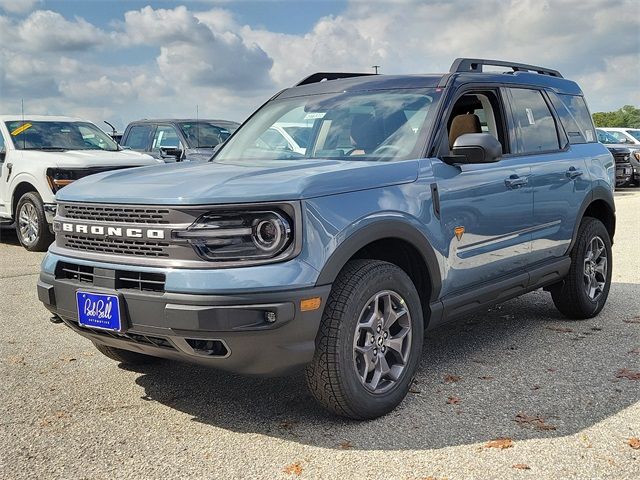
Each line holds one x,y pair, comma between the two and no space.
417,199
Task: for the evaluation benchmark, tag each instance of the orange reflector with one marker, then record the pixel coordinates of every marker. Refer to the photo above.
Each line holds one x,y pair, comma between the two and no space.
458,231
309,304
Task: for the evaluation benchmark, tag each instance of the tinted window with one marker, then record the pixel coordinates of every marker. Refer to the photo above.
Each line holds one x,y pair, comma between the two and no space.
203,135
50,135
578,108
1,141
138,137
165,137
533,121
569,122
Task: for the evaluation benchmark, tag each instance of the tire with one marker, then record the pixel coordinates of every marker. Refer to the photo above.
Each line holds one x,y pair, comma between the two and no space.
125,356
570,296
336,376
31,223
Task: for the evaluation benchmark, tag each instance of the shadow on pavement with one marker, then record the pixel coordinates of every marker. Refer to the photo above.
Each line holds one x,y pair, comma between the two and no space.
520,357
8,235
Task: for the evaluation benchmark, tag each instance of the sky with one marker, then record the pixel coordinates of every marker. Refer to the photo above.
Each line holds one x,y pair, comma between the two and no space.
125,60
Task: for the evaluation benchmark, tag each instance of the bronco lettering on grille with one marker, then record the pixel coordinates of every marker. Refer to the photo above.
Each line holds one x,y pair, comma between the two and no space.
109,232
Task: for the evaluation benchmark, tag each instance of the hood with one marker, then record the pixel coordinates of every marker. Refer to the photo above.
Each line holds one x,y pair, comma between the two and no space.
90,158
218,183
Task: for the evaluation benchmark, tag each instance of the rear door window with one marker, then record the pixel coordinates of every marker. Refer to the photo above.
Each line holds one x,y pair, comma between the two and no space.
534,122
138,137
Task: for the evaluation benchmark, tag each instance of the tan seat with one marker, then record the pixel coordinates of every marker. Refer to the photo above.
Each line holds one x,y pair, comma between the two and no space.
461,124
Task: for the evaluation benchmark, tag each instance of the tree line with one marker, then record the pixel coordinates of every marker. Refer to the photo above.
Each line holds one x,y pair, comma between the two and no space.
627,116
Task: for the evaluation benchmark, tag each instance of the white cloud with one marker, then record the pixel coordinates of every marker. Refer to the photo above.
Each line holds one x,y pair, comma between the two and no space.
19,6
47,31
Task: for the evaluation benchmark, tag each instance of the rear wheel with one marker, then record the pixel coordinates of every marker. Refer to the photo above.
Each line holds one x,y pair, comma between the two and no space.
125,356
369,343
31,223
583,293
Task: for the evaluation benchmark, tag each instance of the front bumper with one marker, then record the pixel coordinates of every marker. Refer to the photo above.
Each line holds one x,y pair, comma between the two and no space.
177,325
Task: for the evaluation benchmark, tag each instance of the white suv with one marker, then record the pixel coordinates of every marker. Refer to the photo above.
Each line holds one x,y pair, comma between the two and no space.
41,154
625,135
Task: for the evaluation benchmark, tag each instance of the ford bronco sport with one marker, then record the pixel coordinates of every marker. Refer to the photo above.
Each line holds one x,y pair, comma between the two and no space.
417,200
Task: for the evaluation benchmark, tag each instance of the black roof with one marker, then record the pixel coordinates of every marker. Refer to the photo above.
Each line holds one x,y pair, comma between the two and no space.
463,70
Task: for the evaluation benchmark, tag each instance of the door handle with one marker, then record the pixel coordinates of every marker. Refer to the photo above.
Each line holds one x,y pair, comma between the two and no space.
573,172
9,168
515,181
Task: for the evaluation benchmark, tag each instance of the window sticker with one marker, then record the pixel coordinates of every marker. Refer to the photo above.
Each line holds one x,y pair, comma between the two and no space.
20,129
314,115
530,116
589,135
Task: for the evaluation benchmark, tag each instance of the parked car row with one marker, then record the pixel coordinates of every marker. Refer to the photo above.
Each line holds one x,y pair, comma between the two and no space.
625,152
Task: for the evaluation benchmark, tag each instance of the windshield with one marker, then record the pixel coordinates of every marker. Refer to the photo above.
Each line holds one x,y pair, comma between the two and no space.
31,135
605,137
634,133
203,134
370,126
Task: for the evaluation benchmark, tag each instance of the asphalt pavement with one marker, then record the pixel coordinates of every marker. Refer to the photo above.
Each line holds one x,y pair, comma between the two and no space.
562,399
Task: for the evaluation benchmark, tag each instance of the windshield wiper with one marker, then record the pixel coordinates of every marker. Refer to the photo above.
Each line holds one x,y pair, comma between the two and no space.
47,149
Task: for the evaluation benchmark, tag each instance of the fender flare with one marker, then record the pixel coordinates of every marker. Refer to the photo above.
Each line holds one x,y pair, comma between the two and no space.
20,178
598,193
383,229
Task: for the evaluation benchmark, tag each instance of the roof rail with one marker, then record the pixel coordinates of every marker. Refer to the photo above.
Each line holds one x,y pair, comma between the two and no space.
324,76
476,64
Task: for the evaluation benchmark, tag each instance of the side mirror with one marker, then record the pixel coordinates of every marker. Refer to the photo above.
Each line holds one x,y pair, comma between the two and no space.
476,148
171,152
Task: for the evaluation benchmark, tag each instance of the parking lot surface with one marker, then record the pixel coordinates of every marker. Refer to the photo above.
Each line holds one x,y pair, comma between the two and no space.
561,397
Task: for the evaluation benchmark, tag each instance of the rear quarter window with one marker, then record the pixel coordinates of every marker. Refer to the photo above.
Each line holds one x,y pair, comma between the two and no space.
534,122
577,107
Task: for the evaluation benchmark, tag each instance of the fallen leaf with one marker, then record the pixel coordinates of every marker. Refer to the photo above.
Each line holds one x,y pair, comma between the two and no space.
451,378
453,400
346,445
596,329
486,377
536,422
293,469
500,443
68,359
560,329
635,351
628,374
552,370
521,466
632,320
535,387
414,390
16,360
634,443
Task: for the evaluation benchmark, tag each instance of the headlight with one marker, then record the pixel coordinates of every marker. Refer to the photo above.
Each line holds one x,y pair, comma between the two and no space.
59,178
237,236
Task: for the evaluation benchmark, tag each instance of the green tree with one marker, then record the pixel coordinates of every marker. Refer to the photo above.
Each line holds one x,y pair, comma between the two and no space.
627,116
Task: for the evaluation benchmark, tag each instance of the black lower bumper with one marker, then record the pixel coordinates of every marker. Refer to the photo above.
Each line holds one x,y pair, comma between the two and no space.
230,332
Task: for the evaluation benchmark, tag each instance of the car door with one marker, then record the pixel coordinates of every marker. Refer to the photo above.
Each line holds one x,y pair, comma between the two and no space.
485,209
3,174
559,177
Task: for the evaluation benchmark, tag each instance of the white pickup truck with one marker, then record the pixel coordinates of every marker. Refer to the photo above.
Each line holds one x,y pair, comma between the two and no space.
41,154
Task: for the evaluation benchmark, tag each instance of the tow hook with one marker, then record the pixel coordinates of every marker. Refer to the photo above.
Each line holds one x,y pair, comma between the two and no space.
55,319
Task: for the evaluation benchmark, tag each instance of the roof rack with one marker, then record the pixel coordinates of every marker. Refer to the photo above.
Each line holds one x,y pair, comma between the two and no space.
476,64
325,76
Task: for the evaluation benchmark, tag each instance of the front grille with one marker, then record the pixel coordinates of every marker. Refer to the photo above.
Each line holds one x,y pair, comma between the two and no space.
123,280
621,157
115,214
117,246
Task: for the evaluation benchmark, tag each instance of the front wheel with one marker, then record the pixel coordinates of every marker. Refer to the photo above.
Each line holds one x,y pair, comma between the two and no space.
31,223
584,291
369,343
